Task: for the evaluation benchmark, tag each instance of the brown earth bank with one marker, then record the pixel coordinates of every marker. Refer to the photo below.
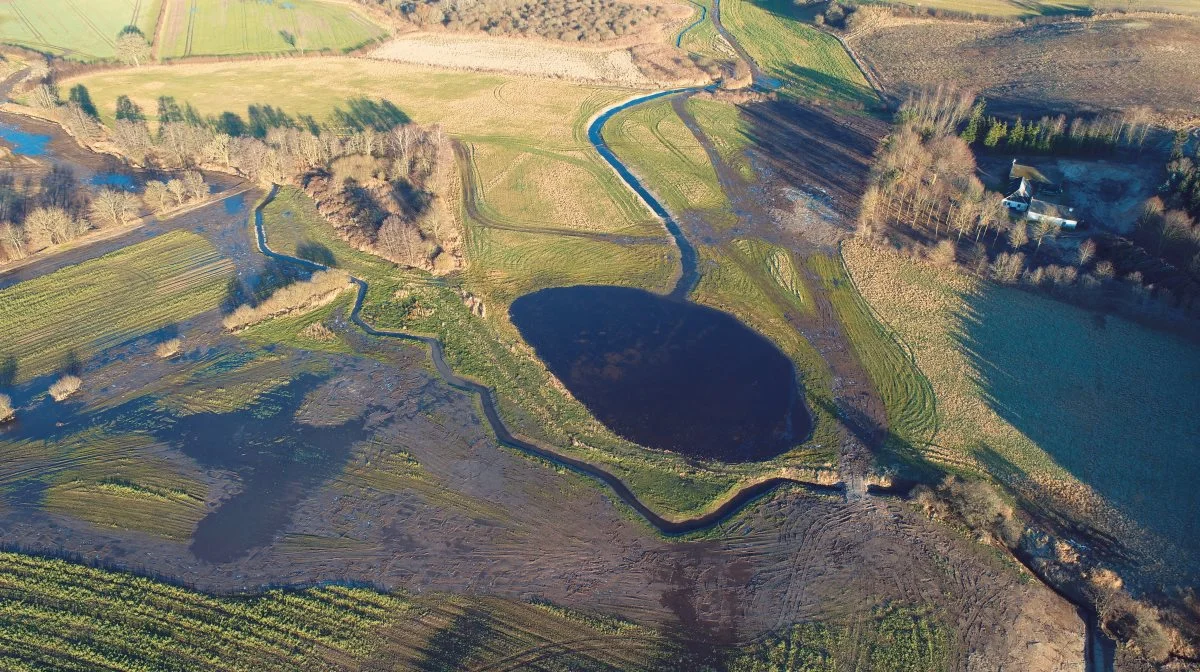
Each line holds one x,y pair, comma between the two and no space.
1096,64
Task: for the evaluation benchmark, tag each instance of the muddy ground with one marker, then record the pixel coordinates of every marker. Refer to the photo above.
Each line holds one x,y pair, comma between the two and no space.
429,501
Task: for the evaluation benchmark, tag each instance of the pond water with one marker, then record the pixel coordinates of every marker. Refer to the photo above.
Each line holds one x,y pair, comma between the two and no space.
118,180
666,373
23,143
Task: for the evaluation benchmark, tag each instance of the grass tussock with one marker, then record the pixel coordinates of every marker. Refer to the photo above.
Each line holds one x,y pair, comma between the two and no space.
168,348
320,289
317,331
65,387
7,412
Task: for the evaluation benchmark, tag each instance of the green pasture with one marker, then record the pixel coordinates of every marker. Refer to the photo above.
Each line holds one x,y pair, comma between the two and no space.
653,141
806,62
78,311
907,395
234,27
1047,397
78,29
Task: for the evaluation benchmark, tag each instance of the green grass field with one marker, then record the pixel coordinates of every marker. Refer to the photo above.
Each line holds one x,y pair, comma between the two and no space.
56,615
233,27
1044,394
77,29
907,395
653,140
81,310
807,63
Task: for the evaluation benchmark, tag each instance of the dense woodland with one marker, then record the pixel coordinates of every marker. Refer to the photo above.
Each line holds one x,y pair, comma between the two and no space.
569,20
373,175
925,195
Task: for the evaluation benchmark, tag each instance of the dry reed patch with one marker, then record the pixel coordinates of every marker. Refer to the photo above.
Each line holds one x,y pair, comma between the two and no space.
65,387
317,331
7,412
524,57
319,290
168,348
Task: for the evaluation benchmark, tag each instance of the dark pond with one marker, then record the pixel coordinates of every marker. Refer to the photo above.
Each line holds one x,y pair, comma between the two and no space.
23,143
666,373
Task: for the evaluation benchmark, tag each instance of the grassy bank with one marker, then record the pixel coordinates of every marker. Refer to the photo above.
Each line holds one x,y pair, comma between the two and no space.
807,63
1046,396
78,311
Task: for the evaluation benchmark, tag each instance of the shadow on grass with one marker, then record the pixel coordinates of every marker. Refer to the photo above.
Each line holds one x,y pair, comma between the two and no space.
1115,404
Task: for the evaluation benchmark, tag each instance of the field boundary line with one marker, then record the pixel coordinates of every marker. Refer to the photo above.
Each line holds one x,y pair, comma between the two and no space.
160,24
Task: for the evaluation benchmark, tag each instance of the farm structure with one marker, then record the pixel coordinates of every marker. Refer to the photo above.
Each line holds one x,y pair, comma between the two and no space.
1026,182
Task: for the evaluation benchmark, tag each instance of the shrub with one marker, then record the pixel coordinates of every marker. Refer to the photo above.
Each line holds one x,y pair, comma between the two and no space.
168,348
317,331
65,387
7,412
321,288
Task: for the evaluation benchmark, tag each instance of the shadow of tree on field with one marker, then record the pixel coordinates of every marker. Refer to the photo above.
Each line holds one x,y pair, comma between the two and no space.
1116,406
316,252
363,114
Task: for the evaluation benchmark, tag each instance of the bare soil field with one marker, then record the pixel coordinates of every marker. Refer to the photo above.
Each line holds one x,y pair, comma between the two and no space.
1093,64
522,57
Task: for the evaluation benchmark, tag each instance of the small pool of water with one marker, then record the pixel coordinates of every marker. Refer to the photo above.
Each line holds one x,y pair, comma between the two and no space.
666,373
118,180
24,143
235,204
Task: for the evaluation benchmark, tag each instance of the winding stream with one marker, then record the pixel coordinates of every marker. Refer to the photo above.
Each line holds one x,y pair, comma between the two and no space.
505,437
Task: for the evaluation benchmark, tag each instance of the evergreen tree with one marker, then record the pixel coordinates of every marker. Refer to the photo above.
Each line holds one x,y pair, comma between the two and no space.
996,131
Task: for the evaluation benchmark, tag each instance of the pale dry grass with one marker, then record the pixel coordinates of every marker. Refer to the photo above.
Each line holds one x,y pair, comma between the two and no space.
523,57
7,412
65,387
322,288
168,348
1092,64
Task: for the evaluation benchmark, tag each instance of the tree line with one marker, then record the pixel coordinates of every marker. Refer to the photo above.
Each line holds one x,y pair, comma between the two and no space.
1058,134
391,209
924,195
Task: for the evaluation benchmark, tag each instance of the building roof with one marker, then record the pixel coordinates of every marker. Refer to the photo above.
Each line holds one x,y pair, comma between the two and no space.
1047,209
1028,172
1019,190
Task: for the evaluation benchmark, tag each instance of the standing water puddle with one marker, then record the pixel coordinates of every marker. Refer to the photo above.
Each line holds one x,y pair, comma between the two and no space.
24,144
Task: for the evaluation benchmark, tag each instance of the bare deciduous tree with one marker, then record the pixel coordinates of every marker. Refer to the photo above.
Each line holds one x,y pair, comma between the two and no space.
12,237
113,207
1085,253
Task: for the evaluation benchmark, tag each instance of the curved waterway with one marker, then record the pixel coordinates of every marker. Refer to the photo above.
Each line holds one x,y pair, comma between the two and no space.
659,370
505,437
